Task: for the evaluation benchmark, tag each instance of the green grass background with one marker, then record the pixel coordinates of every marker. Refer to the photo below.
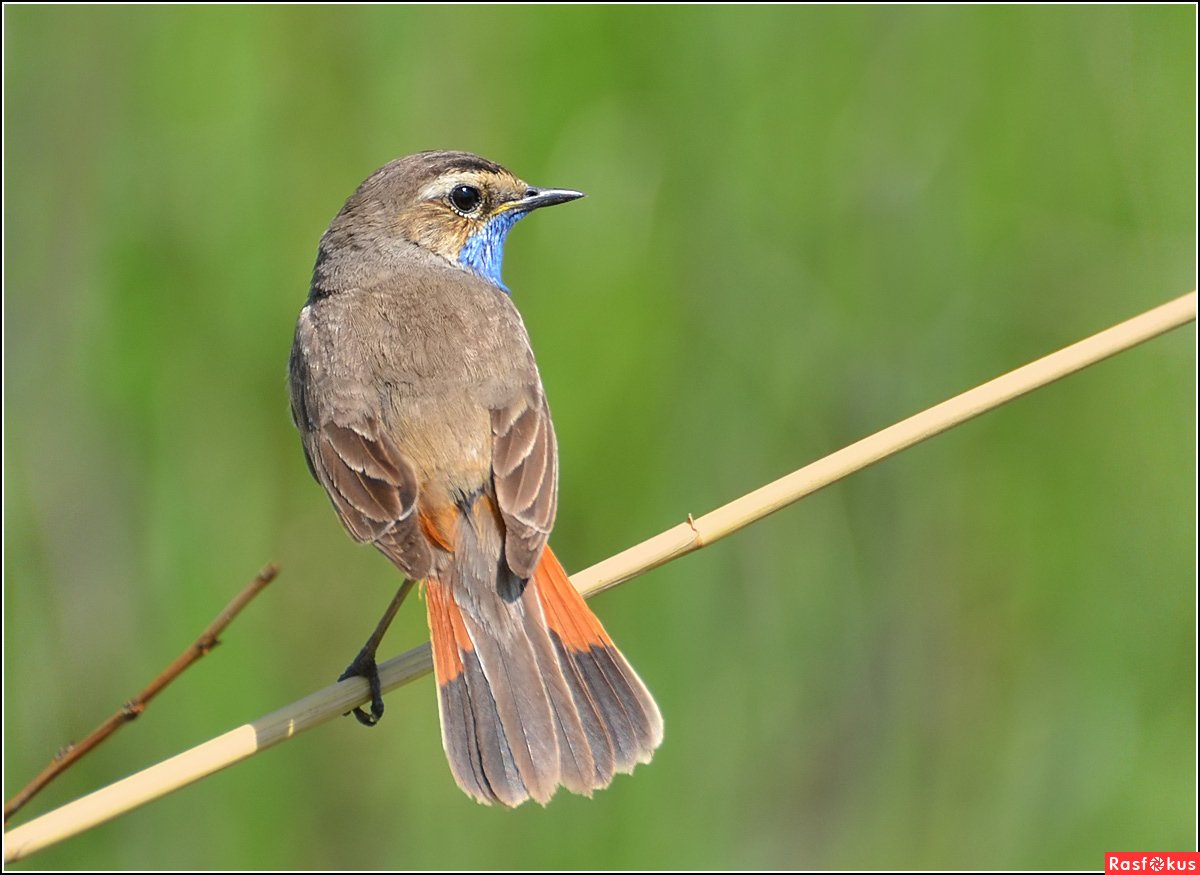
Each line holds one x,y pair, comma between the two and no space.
803,224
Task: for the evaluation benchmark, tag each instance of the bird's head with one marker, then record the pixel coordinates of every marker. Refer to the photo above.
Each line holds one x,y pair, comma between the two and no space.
455,204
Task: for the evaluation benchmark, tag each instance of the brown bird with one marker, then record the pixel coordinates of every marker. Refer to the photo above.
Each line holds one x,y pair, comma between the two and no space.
422,413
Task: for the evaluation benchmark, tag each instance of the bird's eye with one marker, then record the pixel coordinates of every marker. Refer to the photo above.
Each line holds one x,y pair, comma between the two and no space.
465,198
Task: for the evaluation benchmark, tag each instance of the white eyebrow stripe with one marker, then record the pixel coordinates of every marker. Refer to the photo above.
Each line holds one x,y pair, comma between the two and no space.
442,186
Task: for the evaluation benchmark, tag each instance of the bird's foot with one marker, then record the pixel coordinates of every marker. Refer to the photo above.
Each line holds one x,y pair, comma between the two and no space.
364,666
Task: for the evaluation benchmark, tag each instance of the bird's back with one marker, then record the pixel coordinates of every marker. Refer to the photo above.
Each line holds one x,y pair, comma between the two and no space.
423,351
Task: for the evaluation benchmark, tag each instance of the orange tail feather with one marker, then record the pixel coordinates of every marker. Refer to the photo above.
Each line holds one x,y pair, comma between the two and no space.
531,691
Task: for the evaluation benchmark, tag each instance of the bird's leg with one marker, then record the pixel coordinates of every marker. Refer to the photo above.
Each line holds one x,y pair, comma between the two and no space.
364,665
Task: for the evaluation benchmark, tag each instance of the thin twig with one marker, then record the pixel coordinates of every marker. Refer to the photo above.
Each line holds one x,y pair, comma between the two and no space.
132,709
324,705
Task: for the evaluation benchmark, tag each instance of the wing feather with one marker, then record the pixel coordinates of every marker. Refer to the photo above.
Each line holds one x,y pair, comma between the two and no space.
525,471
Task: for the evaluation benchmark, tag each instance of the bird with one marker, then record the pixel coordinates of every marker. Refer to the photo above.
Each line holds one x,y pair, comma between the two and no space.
421,412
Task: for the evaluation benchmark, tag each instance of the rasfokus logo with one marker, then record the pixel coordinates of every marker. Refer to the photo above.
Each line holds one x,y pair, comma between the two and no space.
1158,861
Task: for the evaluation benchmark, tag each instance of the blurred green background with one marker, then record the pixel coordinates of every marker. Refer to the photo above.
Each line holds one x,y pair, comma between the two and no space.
803,225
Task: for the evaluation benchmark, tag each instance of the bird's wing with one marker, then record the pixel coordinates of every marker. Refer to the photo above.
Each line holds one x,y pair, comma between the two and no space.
525,471
375,490
372,484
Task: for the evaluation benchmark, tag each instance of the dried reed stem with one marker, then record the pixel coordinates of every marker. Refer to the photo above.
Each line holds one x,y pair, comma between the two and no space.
133,709
324,705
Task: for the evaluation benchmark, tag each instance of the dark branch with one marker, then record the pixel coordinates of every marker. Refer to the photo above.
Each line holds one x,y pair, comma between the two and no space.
131,710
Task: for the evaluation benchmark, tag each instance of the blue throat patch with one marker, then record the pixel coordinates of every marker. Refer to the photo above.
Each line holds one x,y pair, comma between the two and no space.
483,252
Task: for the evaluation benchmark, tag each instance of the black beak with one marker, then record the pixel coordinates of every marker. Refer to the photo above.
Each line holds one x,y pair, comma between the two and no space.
545,197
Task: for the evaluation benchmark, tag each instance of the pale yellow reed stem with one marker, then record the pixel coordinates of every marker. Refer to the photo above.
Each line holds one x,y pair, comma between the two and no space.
333,701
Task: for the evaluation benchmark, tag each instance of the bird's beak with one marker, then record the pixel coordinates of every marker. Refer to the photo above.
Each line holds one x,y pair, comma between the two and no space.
542,197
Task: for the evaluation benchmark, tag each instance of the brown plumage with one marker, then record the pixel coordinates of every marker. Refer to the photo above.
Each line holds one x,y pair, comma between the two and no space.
422,414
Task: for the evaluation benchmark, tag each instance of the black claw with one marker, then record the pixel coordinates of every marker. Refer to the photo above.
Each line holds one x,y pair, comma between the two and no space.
364,666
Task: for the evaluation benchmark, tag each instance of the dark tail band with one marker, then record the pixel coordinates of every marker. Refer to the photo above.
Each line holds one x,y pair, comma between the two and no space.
532,692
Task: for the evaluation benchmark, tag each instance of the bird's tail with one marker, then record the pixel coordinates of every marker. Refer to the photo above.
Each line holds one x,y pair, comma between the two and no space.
531,690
